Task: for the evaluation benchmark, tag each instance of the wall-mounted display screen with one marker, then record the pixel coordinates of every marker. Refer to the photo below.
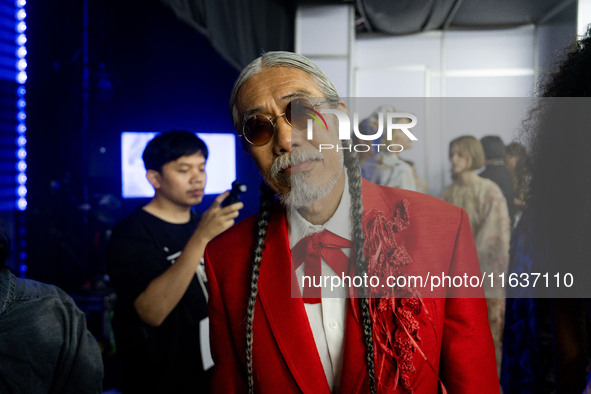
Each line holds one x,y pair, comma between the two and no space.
220,167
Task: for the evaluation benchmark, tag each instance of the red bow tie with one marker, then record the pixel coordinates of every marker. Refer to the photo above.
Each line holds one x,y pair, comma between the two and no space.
310,249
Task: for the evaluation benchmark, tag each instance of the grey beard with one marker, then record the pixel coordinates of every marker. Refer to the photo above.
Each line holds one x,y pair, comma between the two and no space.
301,193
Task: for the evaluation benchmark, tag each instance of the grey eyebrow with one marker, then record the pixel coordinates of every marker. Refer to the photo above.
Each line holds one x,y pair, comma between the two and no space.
295,94
250,112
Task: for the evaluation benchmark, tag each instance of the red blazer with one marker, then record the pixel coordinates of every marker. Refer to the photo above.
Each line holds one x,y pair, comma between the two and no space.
457,340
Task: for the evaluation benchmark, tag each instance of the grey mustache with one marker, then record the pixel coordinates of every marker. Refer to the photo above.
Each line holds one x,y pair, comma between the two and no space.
297,156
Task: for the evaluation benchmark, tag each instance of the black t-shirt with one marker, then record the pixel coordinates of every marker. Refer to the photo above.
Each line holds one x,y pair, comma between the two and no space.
164,359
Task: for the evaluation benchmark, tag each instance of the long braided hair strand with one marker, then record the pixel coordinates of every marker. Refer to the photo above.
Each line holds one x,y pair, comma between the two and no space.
263,218
354,174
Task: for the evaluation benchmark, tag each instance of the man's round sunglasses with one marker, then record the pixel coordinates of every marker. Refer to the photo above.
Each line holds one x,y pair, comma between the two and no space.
259,129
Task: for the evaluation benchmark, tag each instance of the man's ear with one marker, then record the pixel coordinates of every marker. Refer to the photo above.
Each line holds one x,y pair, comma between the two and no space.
154,178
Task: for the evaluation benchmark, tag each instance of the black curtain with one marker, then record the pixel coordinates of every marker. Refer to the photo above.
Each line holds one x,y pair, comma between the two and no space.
240,30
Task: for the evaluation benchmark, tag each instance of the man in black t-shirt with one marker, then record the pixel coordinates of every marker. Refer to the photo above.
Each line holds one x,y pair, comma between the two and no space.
155,263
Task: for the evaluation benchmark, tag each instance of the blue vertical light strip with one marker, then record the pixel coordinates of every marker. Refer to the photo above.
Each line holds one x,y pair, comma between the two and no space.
21,128
21,117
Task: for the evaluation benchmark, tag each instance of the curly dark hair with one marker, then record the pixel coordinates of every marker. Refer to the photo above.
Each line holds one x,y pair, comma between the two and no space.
559,138
560,207
572,79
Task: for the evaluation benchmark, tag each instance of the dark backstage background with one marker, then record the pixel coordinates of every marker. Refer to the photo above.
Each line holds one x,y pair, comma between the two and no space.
96,69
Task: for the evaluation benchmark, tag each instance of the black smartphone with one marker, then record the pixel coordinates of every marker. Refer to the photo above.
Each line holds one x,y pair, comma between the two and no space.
237,189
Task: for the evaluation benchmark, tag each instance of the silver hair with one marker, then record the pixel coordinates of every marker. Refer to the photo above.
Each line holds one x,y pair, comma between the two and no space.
280,59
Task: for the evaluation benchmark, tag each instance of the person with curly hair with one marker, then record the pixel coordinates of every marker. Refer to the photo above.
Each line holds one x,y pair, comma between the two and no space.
560,206
553,236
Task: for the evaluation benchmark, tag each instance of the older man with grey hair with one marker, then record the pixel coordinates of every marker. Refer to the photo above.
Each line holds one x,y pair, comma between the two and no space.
273,330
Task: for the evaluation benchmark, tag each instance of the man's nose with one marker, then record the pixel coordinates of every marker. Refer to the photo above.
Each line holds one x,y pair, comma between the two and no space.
282,138
197,177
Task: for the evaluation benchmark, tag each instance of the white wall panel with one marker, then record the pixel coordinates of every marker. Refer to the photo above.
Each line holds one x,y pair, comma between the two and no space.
323,30
490,86
386,51
411,81
490,49
337,70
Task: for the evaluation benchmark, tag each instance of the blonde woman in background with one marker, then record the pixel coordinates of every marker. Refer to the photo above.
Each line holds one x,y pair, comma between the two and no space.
489,218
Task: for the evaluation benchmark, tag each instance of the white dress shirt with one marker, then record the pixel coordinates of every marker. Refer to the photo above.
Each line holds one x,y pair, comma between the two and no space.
327,318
